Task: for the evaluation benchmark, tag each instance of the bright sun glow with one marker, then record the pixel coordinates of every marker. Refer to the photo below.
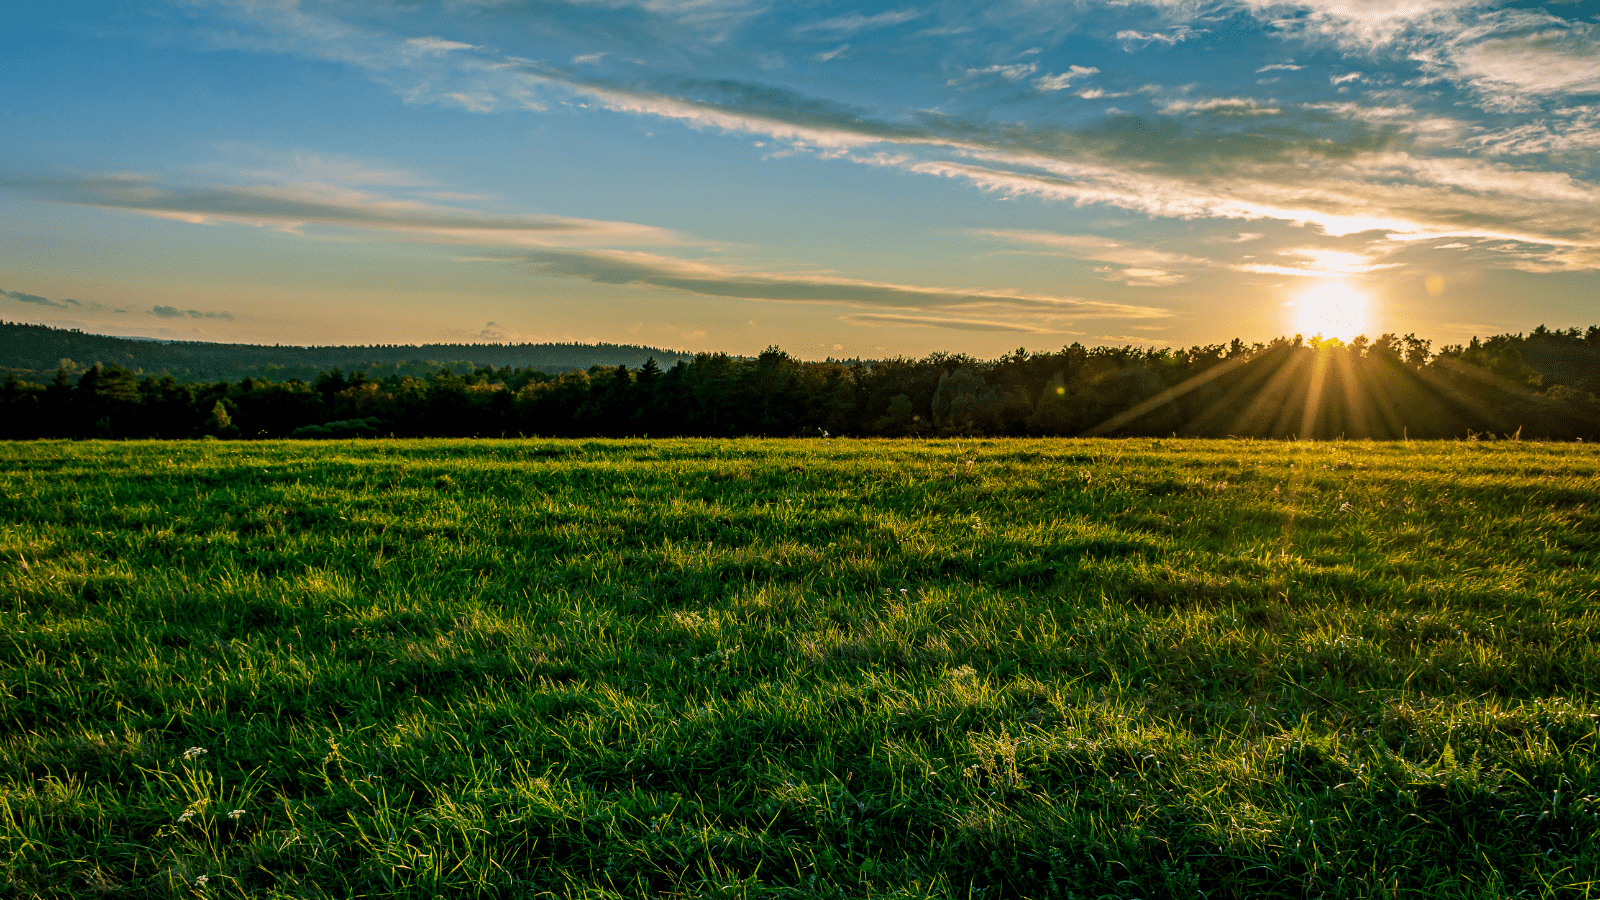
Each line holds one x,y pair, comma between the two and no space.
1333,309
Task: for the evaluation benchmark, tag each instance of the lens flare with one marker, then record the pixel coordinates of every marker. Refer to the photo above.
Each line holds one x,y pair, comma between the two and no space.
1333,309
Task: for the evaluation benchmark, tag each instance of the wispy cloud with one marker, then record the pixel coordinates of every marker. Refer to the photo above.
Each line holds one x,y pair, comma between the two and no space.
294,206
1135,266
1135,277
254,163
952,324
1510,57
435,45
1013,72
1573,129
1225,106
1095,247
1318,262
38,300
850,24
172,312
1062,80
1356,25
1521,54
713,280
1176,35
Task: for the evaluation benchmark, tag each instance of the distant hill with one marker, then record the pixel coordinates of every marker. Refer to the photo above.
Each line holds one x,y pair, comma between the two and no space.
34,352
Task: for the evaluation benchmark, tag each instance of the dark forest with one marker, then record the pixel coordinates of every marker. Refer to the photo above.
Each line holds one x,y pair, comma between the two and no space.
1536,386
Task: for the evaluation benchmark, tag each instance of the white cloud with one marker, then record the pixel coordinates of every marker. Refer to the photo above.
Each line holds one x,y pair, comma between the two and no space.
1318,262
1134,277
1566,130
1177,35
1542,58
702,115
1360,24
1061,81
1510,57
435,45
855,22
1227,106
1365,113
1014,72
1420,198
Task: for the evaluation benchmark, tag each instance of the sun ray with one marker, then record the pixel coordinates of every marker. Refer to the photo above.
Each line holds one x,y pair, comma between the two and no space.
1165,397
1315,391
1265,411
1358,400
1251,379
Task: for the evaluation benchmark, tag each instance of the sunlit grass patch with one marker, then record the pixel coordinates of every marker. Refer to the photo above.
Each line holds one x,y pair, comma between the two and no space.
1047,668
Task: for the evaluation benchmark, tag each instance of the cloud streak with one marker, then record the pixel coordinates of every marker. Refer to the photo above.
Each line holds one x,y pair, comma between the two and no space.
294,206
850,24
913,321
172,312
711,280
1062,80
37,300
1135,266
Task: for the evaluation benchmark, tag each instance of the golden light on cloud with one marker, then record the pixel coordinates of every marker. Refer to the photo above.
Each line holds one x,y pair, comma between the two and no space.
1332,309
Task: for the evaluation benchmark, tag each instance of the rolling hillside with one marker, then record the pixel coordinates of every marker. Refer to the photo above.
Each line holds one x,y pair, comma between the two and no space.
34,352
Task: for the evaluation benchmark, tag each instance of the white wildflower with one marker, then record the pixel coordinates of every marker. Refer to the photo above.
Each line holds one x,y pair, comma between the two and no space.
192,752
236,814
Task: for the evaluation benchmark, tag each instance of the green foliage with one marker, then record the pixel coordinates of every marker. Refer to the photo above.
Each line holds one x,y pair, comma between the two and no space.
1389,388
1076,668
1541,386
220,423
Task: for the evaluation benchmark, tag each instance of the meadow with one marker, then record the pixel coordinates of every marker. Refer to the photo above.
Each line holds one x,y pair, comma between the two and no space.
1052,668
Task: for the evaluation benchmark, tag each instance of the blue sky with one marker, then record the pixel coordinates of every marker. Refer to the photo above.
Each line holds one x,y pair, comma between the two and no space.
863,179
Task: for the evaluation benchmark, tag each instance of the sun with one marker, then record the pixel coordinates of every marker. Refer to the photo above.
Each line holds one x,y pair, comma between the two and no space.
1333,309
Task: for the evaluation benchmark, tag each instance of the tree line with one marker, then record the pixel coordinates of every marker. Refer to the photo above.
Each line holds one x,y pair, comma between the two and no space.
1540,385
32,351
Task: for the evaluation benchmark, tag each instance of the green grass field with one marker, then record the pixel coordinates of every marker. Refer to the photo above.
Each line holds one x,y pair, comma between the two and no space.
799,668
